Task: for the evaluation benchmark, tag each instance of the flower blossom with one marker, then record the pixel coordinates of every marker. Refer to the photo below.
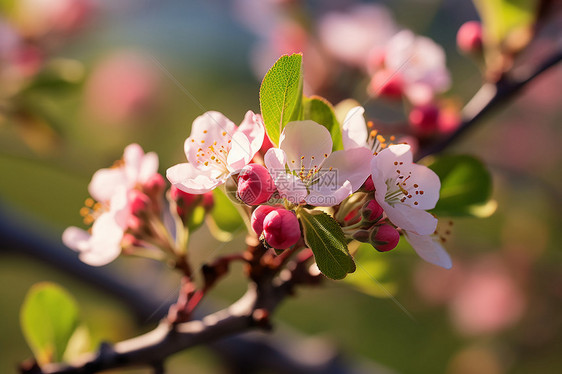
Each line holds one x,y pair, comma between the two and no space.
356,133
111,189
349,36
420,65
405,191
215,148
304,168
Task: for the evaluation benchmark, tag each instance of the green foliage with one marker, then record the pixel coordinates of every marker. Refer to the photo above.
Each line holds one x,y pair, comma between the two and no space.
321,111
281,95
372,276
500,18
49,317
224,220
325,238
466,185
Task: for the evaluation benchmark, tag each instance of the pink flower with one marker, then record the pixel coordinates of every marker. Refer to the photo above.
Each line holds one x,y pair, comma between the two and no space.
304,168
350,36
111,188
215,148
420,62
121,88
405,190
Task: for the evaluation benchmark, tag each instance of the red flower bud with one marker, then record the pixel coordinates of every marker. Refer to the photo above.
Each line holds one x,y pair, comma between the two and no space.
386,83
369,185
469,37
281,229
138,202
259,215
155,185
384,238
255,185
372,211
424,119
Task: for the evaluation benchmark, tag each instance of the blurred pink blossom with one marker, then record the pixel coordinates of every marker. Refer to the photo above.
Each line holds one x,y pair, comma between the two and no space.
488,300
420,63
122,87
354,36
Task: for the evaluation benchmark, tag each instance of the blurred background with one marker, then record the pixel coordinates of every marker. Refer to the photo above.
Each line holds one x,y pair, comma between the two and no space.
82,79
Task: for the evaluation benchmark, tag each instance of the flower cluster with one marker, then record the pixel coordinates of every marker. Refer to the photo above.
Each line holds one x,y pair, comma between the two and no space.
375,190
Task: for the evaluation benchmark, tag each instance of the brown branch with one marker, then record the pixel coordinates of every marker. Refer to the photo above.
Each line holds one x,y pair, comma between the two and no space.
250,312
487,99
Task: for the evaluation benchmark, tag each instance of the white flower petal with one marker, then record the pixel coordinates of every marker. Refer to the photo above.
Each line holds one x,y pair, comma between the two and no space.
252,126
76,238
240,154
428,249
192,180
306,143
410,219
346,166
328,195
288,185
148,167
104,183
208,128
427,192
354,129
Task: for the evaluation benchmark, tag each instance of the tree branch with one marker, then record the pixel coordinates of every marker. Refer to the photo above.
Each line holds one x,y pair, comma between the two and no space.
488,98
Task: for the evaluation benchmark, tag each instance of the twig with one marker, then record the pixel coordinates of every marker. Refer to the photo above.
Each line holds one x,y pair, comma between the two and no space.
487,99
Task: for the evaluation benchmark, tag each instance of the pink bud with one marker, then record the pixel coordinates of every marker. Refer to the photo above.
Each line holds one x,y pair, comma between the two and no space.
469,37
386,83
255,185
259,215
384,238
449,120
185,201
424,119
369,185
281,229
208,201
135,224
155,185
138,202
372,211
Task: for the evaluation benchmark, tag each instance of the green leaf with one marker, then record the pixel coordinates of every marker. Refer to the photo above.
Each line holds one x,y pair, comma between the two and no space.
321,111
500,18
325,237
48,317
281,95
225,219
466,184
372,278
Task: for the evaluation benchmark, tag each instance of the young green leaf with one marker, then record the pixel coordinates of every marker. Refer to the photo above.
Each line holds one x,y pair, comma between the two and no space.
48,318
281,95
224,219
325,238
465,185
502,18
321,111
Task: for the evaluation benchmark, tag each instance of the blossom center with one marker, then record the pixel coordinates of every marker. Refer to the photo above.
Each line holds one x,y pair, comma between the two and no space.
401,188
92,210
214,155
376,142
311,175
